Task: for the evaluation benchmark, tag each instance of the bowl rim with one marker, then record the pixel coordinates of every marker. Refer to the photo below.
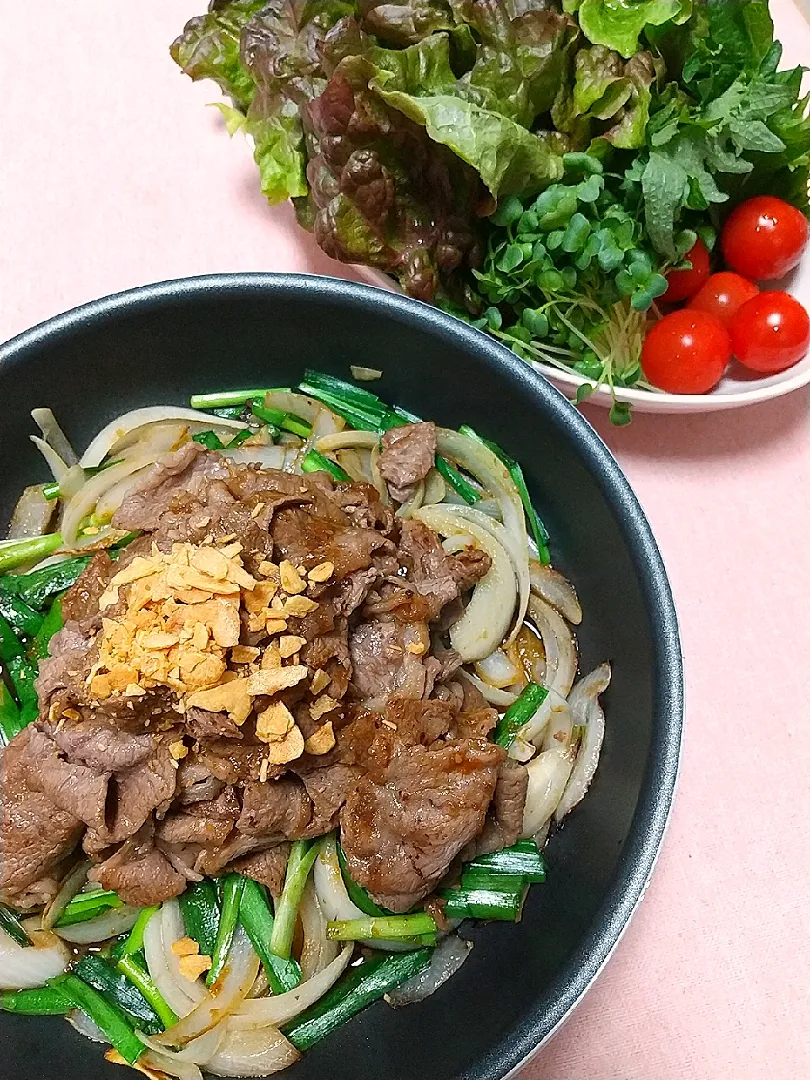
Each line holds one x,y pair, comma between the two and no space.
653,809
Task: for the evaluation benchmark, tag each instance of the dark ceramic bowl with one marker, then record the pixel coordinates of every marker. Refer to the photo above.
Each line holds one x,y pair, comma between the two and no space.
162,343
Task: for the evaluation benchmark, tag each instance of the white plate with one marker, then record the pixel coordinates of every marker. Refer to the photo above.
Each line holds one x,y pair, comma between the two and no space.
738,386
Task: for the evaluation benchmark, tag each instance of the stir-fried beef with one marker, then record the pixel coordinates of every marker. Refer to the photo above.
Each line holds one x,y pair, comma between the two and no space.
437,576
408,453
402,829
140,873
202,724
81,602
276,810
67,665
354,589
387,659
504,821
307,540
101,746
267,867
160,790
186,472
75,789
35,836
205,823
362,505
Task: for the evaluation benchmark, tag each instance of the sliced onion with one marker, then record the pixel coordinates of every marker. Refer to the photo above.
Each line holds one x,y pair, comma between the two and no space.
512,547
84,502
82,1023
225,996
298,404
411,505
553,715
558,644
27,968
155,440
197,1052
111,500
365,374
343,440
258,1013
548,775
356,464
500,698
435,488
117,430
376,476
551,586
317,951
330,886
32,514
325,423
269,457
252,1053
586,711
53,434
448,956
334,898
172,929
487,617
67,890
168,1065
118,921
497,670
541,836
158,964
59,468
481,463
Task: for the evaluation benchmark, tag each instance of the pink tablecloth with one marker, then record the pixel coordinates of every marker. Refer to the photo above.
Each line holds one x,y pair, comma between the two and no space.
114,174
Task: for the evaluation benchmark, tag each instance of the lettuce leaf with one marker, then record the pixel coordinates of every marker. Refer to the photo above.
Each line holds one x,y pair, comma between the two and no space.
521,58
608,103
409,22
383,193
618,23
509,159
208,48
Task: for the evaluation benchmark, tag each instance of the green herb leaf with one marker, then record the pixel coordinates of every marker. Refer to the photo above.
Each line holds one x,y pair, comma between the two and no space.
620,413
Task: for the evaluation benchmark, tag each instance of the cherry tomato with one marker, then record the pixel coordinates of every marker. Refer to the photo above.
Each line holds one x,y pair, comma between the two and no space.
764,237
686,352
771,332
723,295
684,283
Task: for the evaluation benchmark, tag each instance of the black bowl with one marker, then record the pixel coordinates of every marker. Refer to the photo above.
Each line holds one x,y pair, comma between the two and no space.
164,342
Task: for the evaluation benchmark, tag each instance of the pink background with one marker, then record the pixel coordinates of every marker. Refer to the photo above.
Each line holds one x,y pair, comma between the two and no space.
114,174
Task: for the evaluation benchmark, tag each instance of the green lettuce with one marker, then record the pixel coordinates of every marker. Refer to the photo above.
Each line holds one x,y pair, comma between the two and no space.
521,57
608,103
419,82
509,159
208,48
618,23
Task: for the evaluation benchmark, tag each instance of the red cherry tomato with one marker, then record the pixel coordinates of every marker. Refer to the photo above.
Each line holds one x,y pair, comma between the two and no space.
686,352
764,237
771,332
723,295
684,283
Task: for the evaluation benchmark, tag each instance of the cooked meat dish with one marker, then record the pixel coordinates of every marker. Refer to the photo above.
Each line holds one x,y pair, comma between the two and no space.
277,687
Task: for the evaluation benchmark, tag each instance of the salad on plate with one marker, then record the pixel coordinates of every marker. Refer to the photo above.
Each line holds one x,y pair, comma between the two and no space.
558,174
